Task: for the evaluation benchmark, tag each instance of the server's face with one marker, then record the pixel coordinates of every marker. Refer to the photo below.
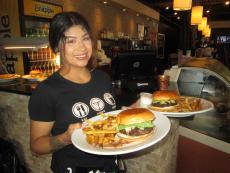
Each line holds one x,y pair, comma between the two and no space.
77,47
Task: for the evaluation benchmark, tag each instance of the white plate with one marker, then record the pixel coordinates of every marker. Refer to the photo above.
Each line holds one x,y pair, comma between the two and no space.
205,107
161,122
10,79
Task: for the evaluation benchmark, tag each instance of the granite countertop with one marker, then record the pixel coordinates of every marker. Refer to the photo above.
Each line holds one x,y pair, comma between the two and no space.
19,86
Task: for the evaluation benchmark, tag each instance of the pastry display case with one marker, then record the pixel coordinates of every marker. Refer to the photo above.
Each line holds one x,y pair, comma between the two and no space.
209,79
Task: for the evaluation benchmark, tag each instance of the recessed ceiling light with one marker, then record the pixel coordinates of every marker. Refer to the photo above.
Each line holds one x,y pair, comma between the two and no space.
105,2
167,8
124,9
178,18
227,3
137,14
175,13
207,11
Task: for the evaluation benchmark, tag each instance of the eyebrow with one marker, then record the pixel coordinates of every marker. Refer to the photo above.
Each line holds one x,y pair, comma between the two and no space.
69,36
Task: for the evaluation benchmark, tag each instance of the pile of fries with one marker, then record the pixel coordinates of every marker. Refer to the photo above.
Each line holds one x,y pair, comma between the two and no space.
102,133
189,104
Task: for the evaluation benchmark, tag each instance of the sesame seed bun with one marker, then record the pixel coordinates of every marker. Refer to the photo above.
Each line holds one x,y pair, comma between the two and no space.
135,115
165,95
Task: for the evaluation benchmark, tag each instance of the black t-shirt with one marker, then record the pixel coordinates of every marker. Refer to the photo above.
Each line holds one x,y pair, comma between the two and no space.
64,102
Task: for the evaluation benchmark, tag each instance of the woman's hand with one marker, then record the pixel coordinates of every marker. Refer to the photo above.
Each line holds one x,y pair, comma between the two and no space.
70,130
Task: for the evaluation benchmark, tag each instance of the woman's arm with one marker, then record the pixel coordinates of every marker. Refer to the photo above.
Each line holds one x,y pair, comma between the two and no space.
41,141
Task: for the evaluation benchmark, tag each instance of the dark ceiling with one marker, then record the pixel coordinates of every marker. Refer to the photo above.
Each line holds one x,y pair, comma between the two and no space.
218,9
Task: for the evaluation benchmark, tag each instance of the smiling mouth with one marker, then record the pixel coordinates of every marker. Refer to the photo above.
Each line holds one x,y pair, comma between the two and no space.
82,56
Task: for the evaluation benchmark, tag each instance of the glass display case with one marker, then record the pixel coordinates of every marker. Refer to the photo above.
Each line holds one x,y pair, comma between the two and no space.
209,79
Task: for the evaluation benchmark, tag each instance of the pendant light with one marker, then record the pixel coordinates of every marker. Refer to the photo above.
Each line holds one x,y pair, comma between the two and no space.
206,30
181,5
203,24
208,33
197,14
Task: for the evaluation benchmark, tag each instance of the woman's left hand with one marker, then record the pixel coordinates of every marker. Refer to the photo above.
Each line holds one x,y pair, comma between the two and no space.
70,130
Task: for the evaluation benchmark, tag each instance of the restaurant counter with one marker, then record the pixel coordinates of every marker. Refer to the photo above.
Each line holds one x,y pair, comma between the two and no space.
14,127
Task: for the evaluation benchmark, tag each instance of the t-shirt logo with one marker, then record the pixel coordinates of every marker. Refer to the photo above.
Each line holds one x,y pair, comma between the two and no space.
80,110
97,104
109,99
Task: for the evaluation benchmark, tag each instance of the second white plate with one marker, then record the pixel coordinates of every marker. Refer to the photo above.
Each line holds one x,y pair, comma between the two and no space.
205,107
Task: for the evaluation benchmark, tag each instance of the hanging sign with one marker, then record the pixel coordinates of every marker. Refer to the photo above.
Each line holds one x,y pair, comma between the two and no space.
40,9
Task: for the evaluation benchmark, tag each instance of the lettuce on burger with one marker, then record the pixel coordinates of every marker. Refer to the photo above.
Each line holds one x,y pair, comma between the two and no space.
136,123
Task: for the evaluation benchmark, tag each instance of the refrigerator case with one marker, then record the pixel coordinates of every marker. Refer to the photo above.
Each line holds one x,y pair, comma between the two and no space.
35,20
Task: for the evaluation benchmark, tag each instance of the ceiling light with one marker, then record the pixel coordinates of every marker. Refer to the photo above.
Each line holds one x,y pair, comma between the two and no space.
23,43
124,9
207,11
175,13
207,31
105,2
137,14
203,24
178,18
227,3
167,8
181,5
196,15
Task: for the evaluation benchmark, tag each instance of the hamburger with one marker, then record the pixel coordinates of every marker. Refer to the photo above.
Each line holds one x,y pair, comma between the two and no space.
135,124
35,73
165,99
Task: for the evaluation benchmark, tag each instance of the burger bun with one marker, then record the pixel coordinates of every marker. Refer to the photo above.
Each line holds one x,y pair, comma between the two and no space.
35,73
165,95
135,115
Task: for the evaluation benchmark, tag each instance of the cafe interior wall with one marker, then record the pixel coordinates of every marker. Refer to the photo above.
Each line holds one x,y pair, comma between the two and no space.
9,27
101,16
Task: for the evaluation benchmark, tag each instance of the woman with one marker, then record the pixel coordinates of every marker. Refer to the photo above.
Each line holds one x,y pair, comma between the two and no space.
68,97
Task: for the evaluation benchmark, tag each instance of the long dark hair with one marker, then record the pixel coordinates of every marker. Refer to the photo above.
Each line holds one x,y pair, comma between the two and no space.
62,22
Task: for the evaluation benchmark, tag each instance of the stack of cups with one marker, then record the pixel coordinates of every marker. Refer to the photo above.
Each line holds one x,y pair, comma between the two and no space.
163,82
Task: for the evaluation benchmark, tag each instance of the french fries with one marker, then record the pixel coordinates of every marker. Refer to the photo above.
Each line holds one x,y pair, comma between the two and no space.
102,133
186,104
